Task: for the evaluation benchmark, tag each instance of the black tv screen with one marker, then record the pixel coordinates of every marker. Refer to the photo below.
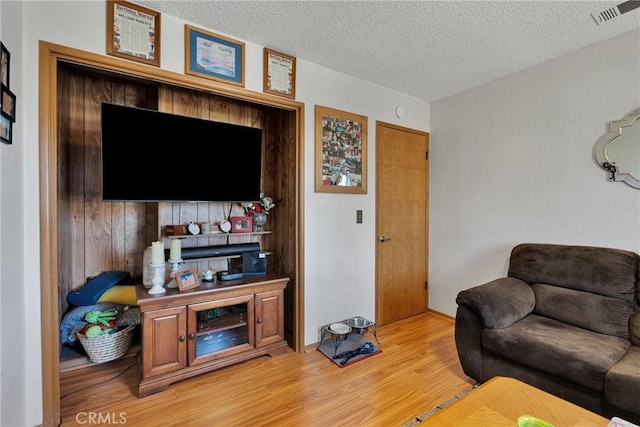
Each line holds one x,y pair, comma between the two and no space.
159,157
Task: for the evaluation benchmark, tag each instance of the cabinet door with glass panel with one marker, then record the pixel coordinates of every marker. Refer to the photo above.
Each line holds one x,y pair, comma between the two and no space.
220,328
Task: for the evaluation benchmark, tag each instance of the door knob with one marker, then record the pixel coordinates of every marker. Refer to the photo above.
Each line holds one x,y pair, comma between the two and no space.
383,239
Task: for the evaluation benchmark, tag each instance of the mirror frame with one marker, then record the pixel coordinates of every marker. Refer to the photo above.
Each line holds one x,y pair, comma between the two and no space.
616,128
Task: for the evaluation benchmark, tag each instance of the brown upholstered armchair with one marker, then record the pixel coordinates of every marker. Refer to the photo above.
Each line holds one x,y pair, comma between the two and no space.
566,320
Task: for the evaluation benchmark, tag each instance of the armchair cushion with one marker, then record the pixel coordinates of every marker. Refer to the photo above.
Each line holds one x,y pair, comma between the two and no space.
622,383
597,313
605,271
634,327
500,302
554,347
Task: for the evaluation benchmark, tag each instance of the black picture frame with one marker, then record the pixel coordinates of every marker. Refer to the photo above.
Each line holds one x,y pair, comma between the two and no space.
6,129
5,62
8,102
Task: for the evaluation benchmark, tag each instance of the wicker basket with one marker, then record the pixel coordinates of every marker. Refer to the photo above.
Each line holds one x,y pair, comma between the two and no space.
108,347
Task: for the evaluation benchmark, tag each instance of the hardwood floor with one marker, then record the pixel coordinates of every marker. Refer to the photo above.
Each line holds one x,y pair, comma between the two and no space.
417,369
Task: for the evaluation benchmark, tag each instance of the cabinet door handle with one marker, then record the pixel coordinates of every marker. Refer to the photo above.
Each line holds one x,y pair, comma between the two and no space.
191,336
259,321
181,338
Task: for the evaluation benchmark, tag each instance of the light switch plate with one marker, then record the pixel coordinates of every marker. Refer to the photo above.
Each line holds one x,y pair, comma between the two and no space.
359,216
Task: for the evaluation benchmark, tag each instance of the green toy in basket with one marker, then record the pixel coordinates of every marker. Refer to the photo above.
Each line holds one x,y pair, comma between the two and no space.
100,323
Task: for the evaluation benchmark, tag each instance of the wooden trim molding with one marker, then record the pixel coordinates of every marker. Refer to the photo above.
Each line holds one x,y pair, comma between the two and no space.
48,237
50,56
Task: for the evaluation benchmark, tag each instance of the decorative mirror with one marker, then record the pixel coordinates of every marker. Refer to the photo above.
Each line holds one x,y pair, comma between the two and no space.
618,151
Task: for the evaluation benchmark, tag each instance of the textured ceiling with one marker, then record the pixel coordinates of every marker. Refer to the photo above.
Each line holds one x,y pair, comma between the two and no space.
428,49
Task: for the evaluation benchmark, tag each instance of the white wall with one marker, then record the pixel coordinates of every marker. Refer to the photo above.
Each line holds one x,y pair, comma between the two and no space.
339,265
512,162
14,374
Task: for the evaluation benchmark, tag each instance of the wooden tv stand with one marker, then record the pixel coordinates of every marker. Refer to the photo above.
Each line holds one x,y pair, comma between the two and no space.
196,331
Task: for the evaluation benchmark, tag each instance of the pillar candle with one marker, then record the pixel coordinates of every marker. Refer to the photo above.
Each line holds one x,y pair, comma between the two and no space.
175,251
157,253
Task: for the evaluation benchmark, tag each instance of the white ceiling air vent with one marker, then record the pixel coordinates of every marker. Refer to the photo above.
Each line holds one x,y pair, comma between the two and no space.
615,11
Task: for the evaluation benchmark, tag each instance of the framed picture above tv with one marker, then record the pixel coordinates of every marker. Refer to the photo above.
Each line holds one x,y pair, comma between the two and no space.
213,56
133,32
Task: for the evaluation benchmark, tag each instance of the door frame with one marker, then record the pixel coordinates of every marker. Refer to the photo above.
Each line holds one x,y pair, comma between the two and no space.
50,55
380,124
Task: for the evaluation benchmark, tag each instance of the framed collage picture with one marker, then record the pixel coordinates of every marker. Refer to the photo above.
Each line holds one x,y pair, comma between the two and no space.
213,56
341,151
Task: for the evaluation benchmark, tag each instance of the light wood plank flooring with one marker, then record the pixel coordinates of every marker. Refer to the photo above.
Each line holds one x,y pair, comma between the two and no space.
417,369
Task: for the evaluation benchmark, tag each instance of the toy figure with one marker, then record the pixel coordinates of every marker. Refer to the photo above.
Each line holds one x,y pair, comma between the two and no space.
102,317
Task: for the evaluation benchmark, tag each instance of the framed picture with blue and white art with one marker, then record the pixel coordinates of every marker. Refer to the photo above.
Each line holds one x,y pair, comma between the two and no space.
213,56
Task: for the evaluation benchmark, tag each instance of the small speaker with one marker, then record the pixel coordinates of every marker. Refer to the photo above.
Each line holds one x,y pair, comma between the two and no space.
254,263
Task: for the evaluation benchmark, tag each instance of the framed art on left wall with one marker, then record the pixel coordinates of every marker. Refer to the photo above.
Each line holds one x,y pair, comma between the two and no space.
6,129
5,58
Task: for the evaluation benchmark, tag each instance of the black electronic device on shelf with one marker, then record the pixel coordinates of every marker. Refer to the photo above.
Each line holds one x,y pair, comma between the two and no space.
216,250
229,275
151,156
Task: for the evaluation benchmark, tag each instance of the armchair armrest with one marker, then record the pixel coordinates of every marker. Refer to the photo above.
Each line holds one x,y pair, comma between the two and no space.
634,327
499,303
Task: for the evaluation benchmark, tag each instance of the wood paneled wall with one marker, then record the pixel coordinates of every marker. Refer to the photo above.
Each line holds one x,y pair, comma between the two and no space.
95,236
98,236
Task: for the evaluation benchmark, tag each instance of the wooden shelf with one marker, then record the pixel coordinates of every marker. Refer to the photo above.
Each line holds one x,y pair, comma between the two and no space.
228,321
82,360
220,234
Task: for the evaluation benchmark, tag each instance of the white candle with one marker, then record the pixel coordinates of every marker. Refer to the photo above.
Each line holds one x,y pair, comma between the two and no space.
157,253
175,251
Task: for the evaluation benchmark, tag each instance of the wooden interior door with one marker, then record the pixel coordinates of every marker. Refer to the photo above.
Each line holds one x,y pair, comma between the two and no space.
402,208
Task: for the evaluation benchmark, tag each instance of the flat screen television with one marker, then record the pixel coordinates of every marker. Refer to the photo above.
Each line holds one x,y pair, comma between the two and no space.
150,156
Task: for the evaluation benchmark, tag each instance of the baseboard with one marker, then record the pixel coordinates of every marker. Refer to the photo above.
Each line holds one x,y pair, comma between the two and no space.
441,315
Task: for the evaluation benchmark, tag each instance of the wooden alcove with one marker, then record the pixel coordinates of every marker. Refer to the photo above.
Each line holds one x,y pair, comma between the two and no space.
82,236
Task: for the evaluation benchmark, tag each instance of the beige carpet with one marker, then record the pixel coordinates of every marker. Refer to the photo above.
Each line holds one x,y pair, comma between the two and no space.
420,418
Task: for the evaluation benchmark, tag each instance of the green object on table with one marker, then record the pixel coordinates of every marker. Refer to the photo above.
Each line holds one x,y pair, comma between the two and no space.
529,421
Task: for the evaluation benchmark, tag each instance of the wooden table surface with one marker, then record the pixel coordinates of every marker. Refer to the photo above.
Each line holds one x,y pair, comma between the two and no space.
501,401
